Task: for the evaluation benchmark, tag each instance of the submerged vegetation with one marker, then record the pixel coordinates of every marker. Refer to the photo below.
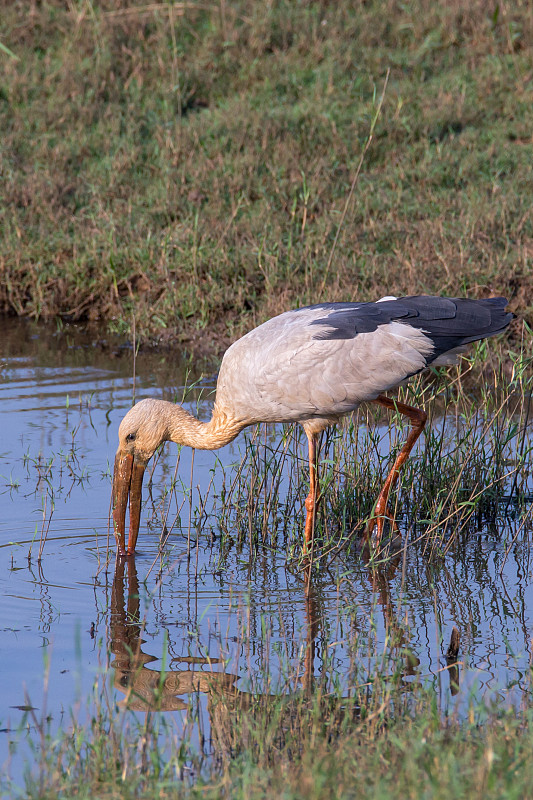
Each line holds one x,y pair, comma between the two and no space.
188,164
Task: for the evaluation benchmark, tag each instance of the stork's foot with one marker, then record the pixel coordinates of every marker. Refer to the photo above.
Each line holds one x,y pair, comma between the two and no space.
378,519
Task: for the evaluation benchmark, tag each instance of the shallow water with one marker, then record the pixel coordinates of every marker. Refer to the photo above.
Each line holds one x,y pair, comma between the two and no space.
215,614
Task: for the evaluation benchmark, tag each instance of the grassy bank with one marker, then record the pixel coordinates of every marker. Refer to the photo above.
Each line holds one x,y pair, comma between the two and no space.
188,164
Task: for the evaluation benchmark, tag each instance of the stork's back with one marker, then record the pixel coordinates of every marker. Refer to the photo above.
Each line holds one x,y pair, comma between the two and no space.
449,322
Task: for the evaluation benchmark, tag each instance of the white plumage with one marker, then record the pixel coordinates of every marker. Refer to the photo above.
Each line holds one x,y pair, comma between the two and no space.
280,373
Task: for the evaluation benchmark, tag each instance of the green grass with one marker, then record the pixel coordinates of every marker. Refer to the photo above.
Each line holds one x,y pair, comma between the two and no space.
189,166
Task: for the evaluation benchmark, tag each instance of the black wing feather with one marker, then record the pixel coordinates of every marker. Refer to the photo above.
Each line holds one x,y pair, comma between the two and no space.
448,322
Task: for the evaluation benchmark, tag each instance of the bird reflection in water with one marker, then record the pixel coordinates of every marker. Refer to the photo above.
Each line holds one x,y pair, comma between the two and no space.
380,580
148,689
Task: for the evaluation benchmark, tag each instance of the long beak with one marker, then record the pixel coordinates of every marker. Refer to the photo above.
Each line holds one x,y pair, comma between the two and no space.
127,483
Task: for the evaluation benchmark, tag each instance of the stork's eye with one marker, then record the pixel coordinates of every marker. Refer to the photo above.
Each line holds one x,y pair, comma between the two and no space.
130,437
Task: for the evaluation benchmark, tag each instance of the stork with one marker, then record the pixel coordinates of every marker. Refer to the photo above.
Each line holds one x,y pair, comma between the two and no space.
312,365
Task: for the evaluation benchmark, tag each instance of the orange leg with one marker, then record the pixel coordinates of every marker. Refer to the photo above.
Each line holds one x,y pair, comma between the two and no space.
311,501
418,419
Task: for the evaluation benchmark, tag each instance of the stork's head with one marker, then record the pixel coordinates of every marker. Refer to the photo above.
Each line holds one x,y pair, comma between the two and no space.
142,430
